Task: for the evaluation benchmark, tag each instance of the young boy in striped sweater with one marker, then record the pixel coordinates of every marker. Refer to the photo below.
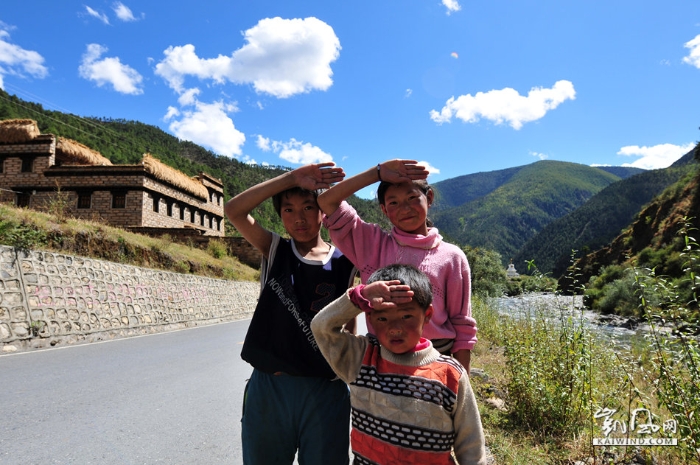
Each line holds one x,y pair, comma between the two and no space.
410,405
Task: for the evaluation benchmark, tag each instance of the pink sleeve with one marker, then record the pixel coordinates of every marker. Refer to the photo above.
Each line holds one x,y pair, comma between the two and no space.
459,304
359,241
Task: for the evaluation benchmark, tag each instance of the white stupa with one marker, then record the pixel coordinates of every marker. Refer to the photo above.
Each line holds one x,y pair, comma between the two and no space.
511,272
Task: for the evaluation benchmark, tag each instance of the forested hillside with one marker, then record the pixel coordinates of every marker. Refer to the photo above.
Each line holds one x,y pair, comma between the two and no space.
659,242
531,197
124,141
597,222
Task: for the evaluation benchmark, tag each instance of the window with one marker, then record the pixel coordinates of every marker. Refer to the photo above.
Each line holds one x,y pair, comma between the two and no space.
2,165
156,203
118,199
23,199
192,217
84,199
182,213
170,208
27,164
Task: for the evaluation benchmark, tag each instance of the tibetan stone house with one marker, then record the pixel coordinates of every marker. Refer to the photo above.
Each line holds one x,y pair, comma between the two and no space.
36,168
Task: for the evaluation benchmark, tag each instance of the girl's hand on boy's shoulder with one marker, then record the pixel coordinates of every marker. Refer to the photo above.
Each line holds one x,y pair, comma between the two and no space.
318,175
387,294
398,171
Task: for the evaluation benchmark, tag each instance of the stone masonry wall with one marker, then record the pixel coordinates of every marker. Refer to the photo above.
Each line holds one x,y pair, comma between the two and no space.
48,298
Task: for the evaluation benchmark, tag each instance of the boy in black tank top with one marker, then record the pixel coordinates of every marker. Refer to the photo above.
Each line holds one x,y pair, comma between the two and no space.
292,400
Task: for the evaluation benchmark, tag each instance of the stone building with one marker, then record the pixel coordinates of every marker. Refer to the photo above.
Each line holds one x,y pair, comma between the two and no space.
37,170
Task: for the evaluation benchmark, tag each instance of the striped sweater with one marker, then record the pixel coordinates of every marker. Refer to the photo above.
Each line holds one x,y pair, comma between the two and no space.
414,408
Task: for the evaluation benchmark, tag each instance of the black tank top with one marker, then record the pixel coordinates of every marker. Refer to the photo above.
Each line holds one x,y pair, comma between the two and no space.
279,338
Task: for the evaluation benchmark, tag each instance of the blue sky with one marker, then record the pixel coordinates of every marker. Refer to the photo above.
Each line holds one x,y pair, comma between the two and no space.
464,86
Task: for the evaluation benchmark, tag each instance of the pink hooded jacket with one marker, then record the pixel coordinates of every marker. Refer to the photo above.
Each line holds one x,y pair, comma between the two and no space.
369,247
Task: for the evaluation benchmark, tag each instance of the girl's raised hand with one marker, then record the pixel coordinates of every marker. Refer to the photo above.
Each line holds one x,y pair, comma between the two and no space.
398,171
318,176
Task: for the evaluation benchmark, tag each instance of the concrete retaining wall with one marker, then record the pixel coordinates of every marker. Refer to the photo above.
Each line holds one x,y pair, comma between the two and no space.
49,298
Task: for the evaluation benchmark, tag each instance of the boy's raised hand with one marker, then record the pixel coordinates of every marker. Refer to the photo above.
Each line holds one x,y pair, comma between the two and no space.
387,294
398,171
318,176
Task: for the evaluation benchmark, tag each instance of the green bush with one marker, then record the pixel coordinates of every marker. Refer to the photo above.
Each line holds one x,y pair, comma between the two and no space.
676,354
488,274
21,235
217,249
549,378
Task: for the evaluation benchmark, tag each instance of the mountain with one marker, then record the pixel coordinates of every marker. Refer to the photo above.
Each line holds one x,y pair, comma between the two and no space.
125,142
502,210
597,222
457,191
652,240
622,172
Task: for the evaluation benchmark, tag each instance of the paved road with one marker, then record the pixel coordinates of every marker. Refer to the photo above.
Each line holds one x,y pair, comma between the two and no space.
170,398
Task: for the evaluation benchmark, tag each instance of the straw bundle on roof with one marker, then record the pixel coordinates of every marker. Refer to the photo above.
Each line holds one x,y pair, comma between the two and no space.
14,131
177,178
78,153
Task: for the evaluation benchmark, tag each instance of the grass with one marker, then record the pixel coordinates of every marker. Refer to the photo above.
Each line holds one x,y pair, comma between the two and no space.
555,376
31,229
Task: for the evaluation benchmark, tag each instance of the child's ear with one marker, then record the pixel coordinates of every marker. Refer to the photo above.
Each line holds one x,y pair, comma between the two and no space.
381,205
428,313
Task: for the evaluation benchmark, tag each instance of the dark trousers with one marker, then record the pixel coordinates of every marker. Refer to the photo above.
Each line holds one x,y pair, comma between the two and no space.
284,413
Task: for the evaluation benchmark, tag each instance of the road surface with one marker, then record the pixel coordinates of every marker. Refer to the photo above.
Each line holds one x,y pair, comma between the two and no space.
169,398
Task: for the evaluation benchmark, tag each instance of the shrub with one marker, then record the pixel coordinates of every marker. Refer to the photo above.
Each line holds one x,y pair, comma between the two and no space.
217,249
488,274
676,355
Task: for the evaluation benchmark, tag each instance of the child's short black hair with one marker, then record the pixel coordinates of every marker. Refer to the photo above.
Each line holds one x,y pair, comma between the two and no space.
409,276
277,198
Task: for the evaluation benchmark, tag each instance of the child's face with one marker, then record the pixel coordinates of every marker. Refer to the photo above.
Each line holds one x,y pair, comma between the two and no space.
399,329
406,206
301,217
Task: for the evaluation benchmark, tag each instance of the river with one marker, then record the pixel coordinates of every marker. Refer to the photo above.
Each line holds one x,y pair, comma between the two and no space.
554,307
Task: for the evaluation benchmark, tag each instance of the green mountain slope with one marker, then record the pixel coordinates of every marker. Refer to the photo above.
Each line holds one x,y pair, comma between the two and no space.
596,222
652,240
622,172
457,191
123,141
532,197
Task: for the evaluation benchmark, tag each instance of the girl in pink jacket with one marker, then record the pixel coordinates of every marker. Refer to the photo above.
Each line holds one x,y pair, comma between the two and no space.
404,197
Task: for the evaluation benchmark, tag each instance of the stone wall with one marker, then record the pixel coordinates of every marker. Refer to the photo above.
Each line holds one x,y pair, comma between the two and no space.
49,298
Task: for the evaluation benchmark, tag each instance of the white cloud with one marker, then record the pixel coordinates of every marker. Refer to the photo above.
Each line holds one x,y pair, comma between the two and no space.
124,13
188,97
171,113
451,5
694,57
655,157
281,57
101,16
505,105
263,143
16,61
541,156
208,124
408,93
431,169
294,151
123,78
